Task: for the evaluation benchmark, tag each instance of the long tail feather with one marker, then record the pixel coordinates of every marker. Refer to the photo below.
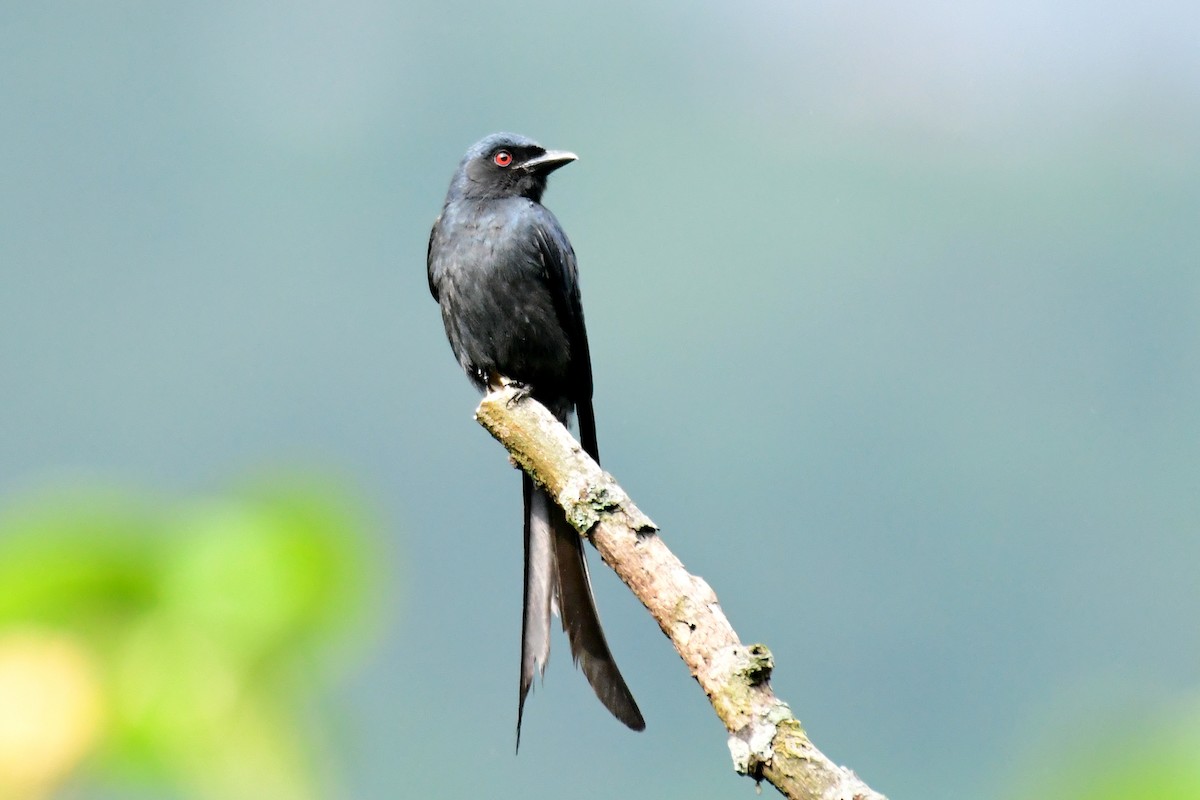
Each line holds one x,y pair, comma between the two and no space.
581,621
539,591
556,577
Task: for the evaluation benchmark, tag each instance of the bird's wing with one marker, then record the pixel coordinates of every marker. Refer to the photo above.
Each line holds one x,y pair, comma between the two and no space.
558,259
572,588
429,257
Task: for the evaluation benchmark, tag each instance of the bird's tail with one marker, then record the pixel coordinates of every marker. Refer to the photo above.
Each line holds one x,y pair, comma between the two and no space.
556,577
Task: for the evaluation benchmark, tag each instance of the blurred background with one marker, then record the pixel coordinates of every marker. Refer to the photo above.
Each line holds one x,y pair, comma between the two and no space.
893,312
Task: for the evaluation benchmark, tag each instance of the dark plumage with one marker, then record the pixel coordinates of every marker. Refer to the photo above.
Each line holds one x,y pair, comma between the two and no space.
504,274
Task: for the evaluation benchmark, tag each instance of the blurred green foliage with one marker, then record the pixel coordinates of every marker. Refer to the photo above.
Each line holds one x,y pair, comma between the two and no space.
194,638
1121,759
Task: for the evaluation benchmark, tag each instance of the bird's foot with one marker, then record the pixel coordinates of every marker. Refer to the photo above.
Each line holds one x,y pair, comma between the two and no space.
497,382
520,391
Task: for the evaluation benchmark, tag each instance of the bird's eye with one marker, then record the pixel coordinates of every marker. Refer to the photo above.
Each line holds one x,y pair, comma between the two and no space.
503,158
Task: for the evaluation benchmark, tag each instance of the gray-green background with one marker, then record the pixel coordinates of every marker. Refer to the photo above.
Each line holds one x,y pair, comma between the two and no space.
893,312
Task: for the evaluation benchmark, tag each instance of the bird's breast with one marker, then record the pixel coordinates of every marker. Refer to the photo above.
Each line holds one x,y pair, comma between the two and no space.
497,304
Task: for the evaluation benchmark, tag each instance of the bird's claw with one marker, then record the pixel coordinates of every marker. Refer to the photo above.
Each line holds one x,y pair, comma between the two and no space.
498,383
520,391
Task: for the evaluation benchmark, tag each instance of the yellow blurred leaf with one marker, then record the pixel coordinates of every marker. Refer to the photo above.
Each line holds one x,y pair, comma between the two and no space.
52,710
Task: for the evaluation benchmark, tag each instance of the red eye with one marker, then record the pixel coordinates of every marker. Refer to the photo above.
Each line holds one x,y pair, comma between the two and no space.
503,158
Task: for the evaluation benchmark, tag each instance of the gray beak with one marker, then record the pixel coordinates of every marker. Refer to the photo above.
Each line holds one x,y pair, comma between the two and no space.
549,161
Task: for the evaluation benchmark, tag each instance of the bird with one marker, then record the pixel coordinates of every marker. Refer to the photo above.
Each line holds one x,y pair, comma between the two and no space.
505,277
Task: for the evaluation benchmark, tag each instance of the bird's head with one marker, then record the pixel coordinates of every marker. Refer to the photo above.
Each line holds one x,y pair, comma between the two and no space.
507,165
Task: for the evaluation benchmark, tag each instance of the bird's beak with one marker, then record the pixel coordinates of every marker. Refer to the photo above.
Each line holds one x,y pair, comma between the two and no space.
549,161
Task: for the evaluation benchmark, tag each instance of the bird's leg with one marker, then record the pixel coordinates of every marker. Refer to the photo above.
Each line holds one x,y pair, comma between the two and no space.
496,382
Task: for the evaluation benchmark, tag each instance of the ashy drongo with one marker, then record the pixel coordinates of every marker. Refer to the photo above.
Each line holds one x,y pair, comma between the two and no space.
504,274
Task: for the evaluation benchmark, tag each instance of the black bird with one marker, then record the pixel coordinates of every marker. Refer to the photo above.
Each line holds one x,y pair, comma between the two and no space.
504,274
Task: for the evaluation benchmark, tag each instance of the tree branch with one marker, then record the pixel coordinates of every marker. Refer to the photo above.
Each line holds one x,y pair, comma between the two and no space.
766,740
